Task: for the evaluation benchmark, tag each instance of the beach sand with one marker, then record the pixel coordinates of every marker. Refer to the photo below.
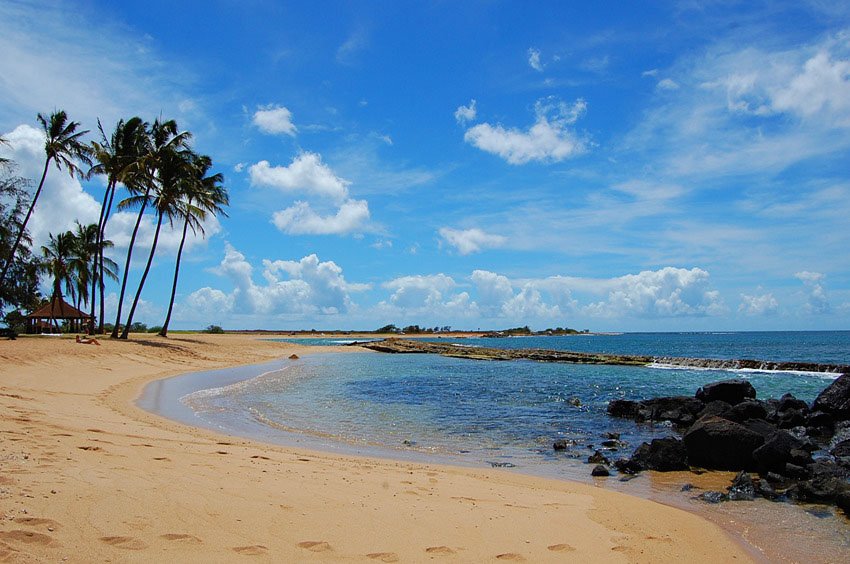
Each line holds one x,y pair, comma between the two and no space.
87,476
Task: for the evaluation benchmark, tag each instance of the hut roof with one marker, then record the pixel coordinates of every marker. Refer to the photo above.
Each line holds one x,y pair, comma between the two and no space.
58,309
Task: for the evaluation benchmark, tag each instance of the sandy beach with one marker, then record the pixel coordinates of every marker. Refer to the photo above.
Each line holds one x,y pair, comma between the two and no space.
87,476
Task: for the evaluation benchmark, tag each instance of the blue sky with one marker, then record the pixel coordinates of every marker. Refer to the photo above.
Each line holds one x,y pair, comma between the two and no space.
627,166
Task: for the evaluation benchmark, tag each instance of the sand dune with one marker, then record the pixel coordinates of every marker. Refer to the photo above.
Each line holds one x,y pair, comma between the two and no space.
86,476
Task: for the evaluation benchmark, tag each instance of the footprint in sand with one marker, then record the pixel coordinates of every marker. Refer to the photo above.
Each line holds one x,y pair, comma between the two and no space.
37,522
561,547
181,537
127,543
510,556
255,550
92,448
162,458
315,546
383,556
27,537
439,550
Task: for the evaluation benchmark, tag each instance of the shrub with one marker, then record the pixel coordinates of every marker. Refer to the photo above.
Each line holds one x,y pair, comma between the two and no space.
215,329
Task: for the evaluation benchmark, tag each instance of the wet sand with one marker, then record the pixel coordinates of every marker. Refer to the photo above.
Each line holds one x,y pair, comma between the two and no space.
85,475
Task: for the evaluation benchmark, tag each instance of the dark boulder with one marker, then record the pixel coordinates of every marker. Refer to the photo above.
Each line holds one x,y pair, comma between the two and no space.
717,443
761,427
561,444
781,448
612,444
731,391
664,455
842,500
749,409
598,458
600,470
627,409
827,481
788,401
835,399
627,466
819,423
742,488
716,407
841,449
790,418
713,497
681,410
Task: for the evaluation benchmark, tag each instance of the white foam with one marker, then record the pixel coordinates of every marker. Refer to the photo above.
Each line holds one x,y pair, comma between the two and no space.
199,395
824,375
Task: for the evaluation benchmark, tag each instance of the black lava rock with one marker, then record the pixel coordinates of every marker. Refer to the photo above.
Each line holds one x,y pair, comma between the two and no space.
731,391
600,470
718,443
664,455
742,488
835,399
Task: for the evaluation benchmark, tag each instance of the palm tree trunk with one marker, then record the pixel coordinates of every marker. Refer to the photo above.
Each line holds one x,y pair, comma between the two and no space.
14,250
96,255
164,331
114,334
144,276
102,236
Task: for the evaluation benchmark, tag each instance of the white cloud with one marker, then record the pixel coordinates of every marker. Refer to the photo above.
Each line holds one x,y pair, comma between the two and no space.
764,304
667,84
238,167
274,119
300,219
348,51
466,114
307,173
50,57
419,291
548,140
292,288
62,199
468,241
534,59
493,291
668,292
750,110
809,278
817,301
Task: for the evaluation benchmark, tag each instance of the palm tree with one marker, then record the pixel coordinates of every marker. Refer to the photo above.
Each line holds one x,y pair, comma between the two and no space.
162,139
118,158
63,147
87,248
59,262
203,194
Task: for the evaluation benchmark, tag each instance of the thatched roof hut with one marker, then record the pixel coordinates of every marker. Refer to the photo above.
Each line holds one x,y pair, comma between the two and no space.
47,317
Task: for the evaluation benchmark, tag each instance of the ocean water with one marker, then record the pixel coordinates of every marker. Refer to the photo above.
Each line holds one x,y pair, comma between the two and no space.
497,413
826,347
507,414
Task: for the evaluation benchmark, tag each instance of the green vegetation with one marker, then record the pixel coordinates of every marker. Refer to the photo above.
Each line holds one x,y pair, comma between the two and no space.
214,329
161,174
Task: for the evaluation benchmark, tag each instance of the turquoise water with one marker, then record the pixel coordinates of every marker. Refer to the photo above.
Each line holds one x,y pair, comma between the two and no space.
826,347
499,413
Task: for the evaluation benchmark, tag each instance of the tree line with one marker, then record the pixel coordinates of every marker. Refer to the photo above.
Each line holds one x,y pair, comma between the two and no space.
156,171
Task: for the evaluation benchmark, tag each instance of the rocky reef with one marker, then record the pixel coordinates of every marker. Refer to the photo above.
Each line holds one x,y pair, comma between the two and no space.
784,449
410,346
